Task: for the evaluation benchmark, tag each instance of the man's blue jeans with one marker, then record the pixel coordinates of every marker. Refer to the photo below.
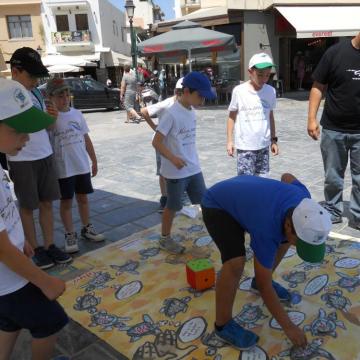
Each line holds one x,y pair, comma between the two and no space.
336,149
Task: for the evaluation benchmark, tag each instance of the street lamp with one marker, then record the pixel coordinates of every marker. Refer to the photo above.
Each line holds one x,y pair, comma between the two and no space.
130,7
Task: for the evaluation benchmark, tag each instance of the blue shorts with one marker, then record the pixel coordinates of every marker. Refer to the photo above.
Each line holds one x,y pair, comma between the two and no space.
194,186
28,308
158,162
77,184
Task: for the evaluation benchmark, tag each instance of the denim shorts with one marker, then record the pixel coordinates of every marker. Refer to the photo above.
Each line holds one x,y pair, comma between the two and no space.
194,186
28,308
77,184
158,162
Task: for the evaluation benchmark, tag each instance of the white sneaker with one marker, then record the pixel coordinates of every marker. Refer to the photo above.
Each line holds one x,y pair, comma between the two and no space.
71,243
168,244
88,232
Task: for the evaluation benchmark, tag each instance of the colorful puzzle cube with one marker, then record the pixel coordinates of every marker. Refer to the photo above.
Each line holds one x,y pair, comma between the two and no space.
200,274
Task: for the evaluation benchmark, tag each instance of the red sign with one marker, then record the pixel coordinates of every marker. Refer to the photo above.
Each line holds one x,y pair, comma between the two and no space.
322,34
154,48
211,42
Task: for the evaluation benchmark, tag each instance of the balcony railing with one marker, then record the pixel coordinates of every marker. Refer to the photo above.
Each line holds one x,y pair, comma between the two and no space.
71,37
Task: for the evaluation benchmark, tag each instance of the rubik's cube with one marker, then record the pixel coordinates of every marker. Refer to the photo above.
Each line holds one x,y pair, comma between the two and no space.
200,274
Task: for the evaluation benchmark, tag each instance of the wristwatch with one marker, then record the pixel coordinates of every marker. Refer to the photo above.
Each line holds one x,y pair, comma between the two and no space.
274,139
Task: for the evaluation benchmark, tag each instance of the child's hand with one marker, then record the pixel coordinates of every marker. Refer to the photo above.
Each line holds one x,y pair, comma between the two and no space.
51,109
94,169
297,336
178,162
230,148
53,288
274,149
28,250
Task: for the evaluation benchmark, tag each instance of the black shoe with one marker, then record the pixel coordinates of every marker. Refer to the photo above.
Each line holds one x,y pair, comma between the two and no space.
42,259
57,255
354,224
335,218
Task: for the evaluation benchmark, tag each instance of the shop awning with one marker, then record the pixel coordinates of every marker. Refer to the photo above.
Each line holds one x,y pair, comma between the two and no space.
322,21
75,60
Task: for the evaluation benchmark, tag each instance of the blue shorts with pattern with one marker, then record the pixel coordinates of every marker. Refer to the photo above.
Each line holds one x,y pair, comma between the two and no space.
253,162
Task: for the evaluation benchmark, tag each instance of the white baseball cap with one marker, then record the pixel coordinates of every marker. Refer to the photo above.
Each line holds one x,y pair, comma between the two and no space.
179,83
261,61
18,111
312,225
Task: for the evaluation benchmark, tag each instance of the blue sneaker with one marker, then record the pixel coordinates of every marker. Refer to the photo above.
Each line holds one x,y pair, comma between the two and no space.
235,335
282,293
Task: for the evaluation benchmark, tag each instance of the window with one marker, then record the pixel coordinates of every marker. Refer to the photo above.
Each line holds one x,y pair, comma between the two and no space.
19,26
62,23
93,85
81,22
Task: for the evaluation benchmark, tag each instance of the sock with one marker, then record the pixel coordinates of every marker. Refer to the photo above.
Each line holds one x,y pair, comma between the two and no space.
219,328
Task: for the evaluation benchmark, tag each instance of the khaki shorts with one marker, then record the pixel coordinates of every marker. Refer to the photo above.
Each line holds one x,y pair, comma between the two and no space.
34,181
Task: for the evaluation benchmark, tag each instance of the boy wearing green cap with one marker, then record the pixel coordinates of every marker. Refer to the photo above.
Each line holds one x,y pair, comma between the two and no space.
276,214
27,294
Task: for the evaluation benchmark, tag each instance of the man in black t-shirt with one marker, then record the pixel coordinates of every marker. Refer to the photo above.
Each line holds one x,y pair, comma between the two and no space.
338,72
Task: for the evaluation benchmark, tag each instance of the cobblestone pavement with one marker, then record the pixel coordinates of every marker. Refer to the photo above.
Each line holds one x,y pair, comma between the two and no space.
127,192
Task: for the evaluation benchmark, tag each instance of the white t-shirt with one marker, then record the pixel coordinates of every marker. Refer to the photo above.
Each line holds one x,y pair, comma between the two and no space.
10,221
38,147
252,125
68,142
178,125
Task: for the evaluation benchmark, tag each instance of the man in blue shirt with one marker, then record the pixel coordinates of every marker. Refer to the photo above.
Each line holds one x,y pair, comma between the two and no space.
276,214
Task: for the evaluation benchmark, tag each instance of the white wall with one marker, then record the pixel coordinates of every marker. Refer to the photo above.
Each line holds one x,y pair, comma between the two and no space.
177,9
143,15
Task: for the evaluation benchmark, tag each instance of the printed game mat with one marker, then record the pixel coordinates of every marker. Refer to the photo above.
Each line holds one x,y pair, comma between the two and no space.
134,296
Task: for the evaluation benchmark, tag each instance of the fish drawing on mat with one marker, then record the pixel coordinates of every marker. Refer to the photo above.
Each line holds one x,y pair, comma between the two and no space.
165,346
325,324
127,290
144,328
294,278
350,244
129,267
196,293
331,250
312,351
309,266
149,252
316,284
108,322
350,283
87,302
255,353
347,263
97,282
212,341
249,316
172,306
335,299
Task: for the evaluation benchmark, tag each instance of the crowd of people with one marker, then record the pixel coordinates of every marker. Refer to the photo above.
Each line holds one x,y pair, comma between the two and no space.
50,156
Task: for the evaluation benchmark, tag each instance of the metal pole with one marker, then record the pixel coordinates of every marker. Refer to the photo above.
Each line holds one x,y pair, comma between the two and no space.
189,58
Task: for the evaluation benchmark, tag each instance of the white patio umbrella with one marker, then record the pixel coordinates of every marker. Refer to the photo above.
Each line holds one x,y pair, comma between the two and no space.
57,69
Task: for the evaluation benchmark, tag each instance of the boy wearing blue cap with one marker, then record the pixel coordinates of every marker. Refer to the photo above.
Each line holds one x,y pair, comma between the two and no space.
27,294
175,140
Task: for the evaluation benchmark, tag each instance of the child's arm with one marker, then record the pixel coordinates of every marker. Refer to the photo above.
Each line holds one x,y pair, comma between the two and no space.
15,260
274,146
147,118
90,150
264,284
164,151
229,130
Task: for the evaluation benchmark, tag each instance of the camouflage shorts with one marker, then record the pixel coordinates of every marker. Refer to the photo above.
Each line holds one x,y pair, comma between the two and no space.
253,162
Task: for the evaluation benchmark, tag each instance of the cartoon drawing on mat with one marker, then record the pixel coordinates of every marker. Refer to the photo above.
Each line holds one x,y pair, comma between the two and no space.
294,278
144,328
335,299
350,283
172,306
325,324
108,322
297,317
255,352
97,281
316,284
87,302
149,252
349,244
128,290
129,267
249,316
347,263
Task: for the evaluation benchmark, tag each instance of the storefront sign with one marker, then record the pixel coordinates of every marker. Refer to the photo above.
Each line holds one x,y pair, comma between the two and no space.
322,34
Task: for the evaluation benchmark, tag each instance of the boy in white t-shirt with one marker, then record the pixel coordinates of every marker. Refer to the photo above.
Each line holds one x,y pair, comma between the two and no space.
158,110
72,149
27,294
175,140
251,113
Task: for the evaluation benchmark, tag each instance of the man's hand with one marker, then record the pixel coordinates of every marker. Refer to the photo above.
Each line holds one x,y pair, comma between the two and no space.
94,169
313,128
28,250
178,162
230,149
53,288
274,148
297,336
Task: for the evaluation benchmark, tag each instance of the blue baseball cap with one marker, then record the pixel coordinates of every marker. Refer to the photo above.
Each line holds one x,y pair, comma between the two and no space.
199,82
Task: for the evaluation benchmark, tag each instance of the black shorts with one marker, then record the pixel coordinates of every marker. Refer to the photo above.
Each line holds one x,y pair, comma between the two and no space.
77,184
28,308
226,232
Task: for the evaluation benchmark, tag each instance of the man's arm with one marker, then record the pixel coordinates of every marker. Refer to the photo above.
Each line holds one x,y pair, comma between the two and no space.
147,118
229,131
316,94
263,278
122,89
17,261
158,144
91,151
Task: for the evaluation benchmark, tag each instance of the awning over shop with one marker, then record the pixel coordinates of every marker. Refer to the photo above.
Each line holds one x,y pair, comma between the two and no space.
75,60
322,21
